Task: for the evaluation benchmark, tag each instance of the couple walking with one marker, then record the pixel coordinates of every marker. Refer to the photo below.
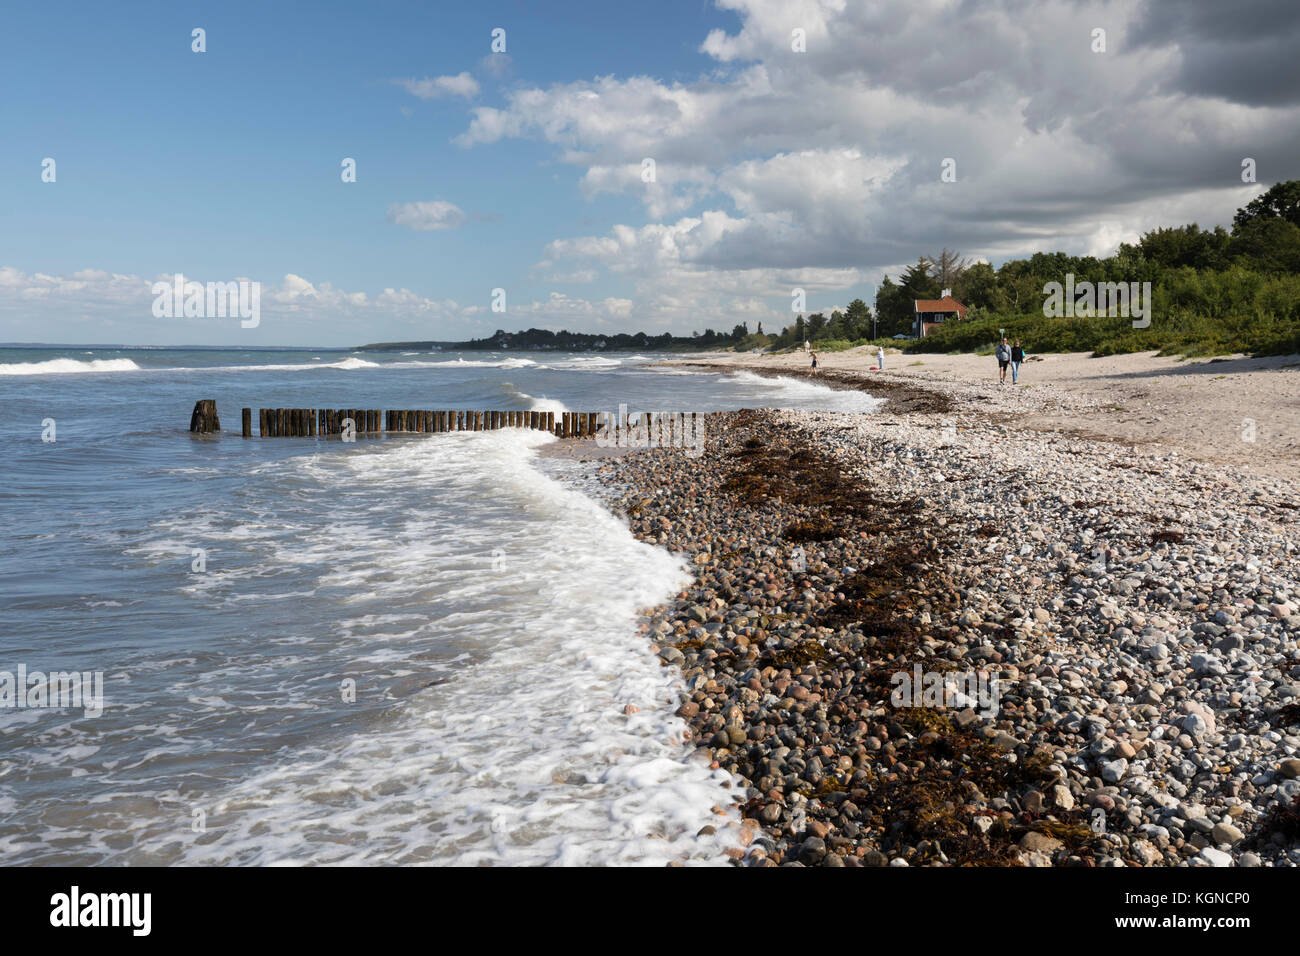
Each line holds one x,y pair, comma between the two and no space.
1011,355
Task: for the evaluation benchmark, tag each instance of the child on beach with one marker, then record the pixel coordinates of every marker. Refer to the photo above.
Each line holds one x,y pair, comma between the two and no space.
880,357
1017,356
814,363
1003,355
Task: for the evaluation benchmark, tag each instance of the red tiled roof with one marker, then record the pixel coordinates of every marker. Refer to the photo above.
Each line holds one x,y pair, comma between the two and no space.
946,304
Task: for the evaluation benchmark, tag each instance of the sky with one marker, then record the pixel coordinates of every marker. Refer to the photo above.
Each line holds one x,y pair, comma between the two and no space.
665,166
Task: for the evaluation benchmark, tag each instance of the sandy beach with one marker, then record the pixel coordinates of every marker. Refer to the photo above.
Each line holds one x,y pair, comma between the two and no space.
1201,408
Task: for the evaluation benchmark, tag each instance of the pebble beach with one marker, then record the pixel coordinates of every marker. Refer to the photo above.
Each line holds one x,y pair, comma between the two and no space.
1106,634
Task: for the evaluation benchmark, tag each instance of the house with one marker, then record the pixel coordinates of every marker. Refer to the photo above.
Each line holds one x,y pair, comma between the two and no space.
932,312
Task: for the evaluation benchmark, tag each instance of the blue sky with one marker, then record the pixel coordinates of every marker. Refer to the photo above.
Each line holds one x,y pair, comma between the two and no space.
776,169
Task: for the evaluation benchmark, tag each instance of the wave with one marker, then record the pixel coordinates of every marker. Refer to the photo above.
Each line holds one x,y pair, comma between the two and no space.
534,403
549,740
462,363
66,366
803,394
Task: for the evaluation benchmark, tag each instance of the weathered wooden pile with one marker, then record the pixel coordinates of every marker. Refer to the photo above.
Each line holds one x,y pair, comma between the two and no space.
313,422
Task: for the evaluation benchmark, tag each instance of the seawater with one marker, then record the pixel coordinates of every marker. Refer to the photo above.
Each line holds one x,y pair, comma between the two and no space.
398,650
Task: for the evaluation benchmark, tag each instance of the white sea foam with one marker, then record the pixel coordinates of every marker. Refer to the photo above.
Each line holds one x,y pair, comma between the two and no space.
800,393
526,756
476,363
496,605
66,366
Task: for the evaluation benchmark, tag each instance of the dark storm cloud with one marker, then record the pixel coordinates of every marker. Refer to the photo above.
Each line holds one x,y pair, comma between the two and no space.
1243,52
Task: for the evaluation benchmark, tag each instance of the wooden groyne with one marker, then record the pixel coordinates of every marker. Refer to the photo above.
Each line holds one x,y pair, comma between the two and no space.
354,422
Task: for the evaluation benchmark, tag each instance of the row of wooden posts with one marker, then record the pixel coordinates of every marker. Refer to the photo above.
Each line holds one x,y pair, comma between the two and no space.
309,422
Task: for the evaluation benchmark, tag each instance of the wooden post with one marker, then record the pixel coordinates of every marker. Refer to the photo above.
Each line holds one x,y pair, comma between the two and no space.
204,417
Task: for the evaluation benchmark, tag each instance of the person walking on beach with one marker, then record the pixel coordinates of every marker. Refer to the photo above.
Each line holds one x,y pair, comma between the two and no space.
1003,355
880,357
1017,356
814,363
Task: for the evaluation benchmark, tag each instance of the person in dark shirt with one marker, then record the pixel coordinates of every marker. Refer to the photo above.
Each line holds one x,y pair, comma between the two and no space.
1017,356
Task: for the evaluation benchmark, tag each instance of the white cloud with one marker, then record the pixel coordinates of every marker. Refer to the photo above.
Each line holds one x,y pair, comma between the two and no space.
432,88
426,216
827,163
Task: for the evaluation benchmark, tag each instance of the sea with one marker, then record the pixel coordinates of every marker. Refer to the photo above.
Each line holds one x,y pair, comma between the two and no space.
398,650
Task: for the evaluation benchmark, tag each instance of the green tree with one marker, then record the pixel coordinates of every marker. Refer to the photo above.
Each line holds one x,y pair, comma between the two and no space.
835,328
894,310
977,286
816,325
1187,246
916,281
857,320
1268,245
1281,201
